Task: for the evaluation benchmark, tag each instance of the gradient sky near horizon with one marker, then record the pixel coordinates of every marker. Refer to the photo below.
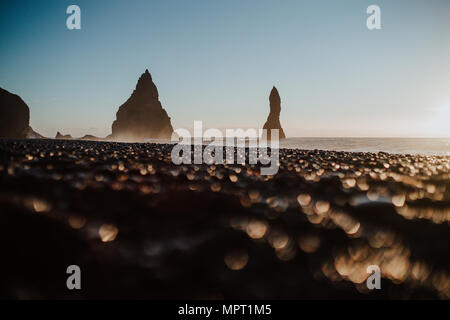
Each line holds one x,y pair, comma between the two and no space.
217,60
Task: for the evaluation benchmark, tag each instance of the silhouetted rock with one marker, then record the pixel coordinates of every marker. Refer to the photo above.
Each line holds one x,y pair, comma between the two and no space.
87,137
14,115
142,115
60,136
273,120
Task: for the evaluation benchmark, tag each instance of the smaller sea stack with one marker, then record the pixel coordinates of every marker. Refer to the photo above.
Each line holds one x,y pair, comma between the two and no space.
273,120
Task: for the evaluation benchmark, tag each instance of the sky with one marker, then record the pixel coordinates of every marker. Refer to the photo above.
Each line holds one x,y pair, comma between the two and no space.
217,60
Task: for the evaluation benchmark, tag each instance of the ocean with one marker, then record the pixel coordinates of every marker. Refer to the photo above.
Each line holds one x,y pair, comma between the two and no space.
425,146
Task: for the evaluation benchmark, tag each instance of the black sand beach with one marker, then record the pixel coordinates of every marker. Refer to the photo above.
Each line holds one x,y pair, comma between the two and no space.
142,227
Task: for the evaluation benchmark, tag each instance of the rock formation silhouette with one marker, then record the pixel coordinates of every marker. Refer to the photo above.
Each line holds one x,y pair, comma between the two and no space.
273,120
142,115
60,136
14,115
87,137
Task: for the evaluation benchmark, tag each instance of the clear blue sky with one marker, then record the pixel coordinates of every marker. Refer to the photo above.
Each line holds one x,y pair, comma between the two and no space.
217,60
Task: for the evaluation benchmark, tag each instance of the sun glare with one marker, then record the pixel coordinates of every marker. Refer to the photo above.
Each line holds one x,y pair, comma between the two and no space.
439,124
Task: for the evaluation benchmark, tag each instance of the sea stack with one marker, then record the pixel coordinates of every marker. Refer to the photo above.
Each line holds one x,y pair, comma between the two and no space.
60,136
14,116
273,120
142,116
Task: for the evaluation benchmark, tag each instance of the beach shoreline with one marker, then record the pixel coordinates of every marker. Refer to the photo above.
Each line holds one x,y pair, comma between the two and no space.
141,227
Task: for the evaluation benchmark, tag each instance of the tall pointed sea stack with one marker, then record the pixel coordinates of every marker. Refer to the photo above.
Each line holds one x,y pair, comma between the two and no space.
142,115
273,120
